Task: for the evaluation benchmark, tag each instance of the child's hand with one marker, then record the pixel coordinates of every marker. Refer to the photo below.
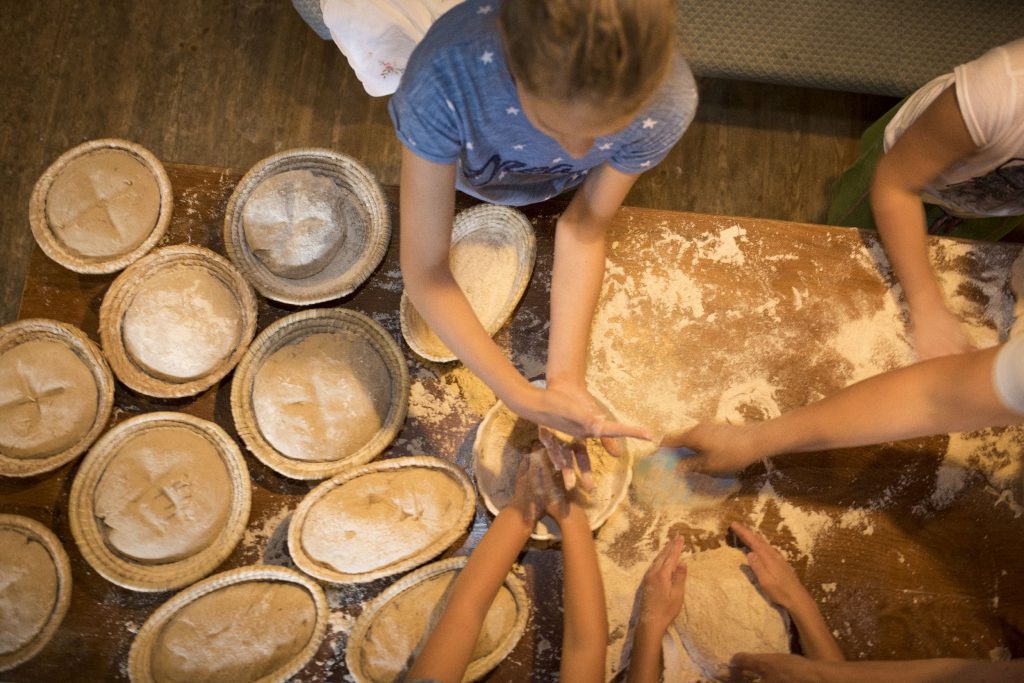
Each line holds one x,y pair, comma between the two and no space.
776,668
663,588
777,578
721,448
939,333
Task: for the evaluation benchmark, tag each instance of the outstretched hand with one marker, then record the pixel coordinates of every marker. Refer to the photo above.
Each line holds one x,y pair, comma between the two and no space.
776,577
939,333
721,448
663,588
536,492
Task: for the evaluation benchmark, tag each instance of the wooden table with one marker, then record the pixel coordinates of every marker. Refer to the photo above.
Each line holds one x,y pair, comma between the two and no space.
911,549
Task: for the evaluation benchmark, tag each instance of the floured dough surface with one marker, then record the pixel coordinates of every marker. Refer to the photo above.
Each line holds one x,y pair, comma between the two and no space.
322,398
181,324
104,203
402,625
380,518
294,222
241,632
725,613
165,495
28,589
48,399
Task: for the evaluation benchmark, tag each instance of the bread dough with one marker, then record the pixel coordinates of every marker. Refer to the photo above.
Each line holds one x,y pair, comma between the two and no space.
48,399
381,518
401,626
322,398
182,323
103,204
294,223
241,632
165,495
725,613
28,589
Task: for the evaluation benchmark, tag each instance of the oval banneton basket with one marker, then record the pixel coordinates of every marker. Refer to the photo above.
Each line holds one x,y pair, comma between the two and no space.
359,640
49,240
140,657
293,329
368,228
36,532
377,535
492,257
136,575
118,300
41,329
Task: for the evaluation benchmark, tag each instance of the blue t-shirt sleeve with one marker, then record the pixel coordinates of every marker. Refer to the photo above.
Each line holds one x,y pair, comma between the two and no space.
423,117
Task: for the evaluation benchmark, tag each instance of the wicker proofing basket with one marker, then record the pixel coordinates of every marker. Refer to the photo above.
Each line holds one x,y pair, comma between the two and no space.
368,233
294,328
148,577
53,247
33,329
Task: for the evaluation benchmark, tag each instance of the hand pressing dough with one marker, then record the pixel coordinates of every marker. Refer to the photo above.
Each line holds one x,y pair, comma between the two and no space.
242,632
181,324
381,518
103,203
725,613
28,589
294,223
164,496
322,398
48,399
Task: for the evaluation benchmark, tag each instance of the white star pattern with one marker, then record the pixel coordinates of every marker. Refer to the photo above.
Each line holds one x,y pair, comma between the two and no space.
512,111
645,164
502,175
605,146
518,147
488,57
469,146
485,9
449,103
556,160
649,122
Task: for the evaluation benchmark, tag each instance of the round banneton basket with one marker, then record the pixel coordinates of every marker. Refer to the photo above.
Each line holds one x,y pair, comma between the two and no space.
35,329
492,256
362,631
87,528
367,228
413,557
351,325
34,531
140,656
119,298
51,243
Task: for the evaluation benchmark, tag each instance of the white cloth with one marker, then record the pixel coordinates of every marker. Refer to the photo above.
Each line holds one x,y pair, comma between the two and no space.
377,36
1008,374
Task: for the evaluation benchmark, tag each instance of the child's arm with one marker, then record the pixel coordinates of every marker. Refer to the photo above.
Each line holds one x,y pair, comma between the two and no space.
777,668
660,602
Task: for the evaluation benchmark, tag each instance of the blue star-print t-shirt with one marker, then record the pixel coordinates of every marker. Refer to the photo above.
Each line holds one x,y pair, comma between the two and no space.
457,103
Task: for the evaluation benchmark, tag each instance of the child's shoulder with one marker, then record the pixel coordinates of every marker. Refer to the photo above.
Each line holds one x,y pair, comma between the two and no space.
463,25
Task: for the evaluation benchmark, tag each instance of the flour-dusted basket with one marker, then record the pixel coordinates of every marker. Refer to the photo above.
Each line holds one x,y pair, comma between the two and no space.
492,256
56,249
443,538
368,230
362,630
145,576
293,329
142,650
35,531
118,299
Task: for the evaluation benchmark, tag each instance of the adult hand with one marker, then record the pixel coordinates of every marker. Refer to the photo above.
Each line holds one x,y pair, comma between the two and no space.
721,448
939,333
776,577
663,588
775,668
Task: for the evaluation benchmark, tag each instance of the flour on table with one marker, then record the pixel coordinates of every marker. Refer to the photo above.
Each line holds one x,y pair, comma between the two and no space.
723,247
28,589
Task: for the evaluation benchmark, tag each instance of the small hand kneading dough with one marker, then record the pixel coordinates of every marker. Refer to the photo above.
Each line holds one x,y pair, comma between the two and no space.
401,626
164,496
242,632
28,589
103,203
380,518
48,399
725,613
322,398
181,324
294,223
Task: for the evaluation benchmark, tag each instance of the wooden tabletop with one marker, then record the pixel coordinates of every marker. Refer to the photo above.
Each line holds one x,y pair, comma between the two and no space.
911,549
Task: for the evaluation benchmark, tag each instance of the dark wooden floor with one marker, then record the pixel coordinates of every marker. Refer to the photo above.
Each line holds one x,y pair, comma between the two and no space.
228,83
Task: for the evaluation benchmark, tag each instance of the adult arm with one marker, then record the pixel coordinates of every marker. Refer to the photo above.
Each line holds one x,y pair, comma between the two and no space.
777,668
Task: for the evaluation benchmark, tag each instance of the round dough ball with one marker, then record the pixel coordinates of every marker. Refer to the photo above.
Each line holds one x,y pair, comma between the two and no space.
104,203
181,324
165,495
294,223
28,589
48,399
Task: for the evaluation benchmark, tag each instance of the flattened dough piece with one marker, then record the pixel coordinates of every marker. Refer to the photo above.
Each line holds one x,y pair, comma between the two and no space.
242,632
322,398
103,203
28,589
380,518
48,399
294,223
164,496
181,324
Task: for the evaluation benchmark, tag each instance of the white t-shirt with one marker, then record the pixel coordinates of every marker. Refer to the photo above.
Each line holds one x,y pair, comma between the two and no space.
990,92
1008,374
